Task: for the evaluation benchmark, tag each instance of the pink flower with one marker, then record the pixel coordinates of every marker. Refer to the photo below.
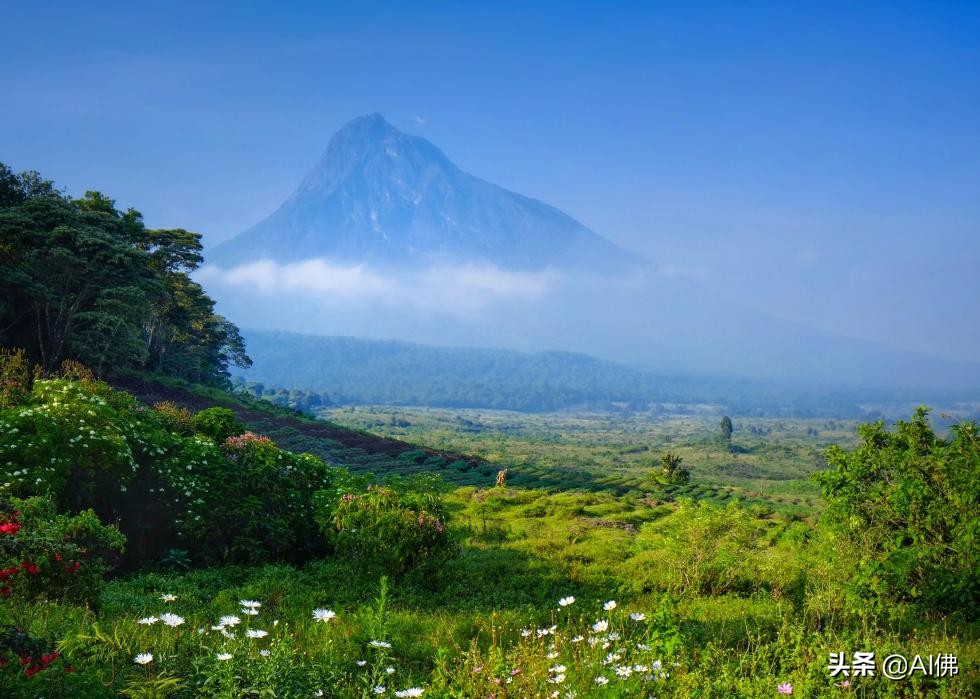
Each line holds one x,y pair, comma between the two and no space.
785,688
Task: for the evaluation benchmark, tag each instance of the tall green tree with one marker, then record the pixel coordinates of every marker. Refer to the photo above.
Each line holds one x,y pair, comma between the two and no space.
726,432
82,280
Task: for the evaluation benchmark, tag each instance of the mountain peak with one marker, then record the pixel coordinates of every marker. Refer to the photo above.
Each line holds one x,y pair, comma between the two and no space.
367,126
381,196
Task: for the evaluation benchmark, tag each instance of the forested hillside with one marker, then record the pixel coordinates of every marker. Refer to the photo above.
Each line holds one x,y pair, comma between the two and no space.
81,280
308,372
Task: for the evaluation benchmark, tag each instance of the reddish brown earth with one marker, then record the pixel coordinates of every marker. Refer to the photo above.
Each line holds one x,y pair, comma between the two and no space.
151,392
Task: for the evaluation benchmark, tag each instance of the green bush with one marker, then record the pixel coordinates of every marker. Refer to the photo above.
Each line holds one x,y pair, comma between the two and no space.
218,423
92,447
395,527
257,503
46,555
905,504
175,418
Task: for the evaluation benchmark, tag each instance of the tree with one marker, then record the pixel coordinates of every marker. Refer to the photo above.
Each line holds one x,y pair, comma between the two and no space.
906,501
82,280
726,432
671,470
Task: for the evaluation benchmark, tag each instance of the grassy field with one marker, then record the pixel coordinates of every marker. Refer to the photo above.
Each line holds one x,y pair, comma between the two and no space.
769,462
581,576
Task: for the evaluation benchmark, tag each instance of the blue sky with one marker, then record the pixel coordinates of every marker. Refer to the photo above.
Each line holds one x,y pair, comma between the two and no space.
821,163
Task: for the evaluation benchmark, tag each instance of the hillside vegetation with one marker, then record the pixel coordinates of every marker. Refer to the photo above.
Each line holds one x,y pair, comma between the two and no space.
309,372
163,537
268,575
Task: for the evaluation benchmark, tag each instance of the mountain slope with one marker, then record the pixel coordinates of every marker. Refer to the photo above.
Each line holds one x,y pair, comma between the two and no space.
379,196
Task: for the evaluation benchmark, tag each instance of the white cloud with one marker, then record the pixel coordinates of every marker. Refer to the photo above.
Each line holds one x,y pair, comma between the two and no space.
448,288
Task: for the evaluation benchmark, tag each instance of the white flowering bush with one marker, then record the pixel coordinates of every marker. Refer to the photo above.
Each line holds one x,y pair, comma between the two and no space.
89,446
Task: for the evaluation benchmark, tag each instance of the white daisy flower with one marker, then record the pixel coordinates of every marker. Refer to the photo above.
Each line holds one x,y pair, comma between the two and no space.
168,597
256,633
609,606
379,689
143,658
565,601
265,653
638,616
410,692
323,615
229,620
223,656
250,604
361,663
380,644
389,670
249,611
171,620
601,681
147,620
600,626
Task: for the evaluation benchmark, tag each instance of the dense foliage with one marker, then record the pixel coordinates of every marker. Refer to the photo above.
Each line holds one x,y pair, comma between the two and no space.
906,504
80,279
48,555
217,495
396,527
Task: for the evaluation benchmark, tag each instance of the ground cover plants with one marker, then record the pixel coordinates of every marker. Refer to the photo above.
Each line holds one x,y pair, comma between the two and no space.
158,551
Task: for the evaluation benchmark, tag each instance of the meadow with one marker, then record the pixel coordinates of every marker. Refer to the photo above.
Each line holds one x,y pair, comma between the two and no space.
581,573
768,462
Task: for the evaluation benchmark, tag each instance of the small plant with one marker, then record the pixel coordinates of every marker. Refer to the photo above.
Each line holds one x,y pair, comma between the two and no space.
218,423
176,559
175,418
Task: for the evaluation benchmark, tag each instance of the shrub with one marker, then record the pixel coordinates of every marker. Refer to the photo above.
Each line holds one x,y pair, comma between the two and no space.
175,418
218,423
45,555
15,377
92,447
256,502
905,502
396,527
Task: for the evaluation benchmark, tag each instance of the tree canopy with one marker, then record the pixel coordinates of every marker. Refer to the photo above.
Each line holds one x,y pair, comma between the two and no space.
80,279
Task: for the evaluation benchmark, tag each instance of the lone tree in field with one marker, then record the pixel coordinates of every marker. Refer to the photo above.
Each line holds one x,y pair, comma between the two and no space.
726,432
671,470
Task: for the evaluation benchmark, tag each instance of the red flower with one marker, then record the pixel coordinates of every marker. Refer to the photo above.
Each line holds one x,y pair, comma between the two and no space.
9,528
57,556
